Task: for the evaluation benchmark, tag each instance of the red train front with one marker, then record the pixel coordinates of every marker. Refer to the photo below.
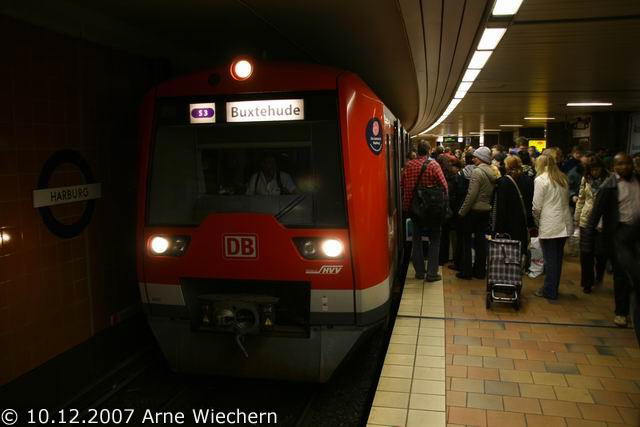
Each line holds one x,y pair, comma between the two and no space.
267,218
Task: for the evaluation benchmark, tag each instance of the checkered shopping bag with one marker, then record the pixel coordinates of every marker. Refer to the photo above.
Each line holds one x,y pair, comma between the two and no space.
504,265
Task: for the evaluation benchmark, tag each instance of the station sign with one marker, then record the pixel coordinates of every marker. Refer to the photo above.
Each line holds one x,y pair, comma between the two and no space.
450,140
202,113
84,192
265,110
373,134
540,144
62,195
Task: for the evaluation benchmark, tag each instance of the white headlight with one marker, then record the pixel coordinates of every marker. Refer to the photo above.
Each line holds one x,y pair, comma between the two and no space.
332,248
159,245
242,69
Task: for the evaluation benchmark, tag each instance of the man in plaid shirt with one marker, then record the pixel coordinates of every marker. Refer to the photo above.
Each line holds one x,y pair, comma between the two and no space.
431,177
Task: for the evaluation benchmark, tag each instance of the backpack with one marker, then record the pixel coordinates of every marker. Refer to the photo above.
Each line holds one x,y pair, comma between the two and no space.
429,205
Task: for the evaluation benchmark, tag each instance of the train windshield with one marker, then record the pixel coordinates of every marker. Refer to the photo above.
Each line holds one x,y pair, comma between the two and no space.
291,170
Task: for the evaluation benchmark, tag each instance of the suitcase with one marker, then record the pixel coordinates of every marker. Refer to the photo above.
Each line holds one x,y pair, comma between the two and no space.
504,271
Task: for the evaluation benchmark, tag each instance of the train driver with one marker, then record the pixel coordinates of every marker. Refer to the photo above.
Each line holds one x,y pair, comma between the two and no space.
269,181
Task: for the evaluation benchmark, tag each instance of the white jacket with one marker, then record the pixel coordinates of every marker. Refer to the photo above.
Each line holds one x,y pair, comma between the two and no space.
551,209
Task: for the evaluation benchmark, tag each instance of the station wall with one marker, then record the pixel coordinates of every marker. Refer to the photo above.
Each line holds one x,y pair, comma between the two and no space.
59,92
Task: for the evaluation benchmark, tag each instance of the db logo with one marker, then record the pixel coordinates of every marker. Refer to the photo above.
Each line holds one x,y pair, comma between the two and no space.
242,246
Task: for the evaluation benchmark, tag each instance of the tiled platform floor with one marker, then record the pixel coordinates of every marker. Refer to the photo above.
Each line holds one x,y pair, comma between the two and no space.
551,364
464,299
411,388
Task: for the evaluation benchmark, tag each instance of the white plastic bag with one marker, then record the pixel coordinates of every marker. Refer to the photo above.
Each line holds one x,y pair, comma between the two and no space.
537,261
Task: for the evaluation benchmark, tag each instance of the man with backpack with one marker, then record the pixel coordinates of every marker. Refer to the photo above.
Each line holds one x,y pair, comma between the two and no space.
424,194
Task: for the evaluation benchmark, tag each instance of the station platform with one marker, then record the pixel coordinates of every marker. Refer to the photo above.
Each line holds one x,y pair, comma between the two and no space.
451,362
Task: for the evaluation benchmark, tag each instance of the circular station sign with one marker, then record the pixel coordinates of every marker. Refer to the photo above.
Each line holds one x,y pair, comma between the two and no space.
44,197
373,135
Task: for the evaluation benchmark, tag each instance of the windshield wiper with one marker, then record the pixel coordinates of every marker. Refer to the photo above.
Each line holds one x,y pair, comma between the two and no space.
295,202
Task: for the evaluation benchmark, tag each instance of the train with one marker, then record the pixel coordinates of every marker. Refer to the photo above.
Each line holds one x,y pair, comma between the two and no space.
269,226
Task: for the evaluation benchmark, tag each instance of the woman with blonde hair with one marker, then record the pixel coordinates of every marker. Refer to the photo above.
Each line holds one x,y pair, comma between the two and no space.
554,220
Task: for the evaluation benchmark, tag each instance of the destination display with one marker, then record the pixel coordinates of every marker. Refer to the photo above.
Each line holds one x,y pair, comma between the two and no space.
265,110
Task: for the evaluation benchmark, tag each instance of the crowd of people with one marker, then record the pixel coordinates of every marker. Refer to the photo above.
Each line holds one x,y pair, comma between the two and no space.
522,193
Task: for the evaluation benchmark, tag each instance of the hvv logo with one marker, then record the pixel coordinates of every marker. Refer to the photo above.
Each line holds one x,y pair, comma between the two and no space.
241,246
326,269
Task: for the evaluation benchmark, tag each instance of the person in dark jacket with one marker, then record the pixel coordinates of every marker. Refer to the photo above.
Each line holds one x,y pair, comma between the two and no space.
574,175
590,256
498,161
527,166
457,193
450,168
618,205
511,211
572,160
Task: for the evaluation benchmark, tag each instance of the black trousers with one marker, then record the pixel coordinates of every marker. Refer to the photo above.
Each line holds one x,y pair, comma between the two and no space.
457,243
590,259
445,242
474,226
626,269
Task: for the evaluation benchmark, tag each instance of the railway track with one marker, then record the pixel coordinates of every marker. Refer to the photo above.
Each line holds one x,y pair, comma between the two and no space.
144,382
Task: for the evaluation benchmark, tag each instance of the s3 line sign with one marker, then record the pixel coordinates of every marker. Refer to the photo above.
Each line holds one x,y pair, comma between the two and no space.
202,113
265,111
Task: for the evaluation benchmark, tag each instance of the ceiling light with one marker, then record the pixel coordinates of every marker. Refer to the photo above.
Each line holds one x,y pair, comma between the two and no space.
492,130
465,86
539,118
511,126
506,7
470,75
490,38
454,103
460,94
480,57
589,104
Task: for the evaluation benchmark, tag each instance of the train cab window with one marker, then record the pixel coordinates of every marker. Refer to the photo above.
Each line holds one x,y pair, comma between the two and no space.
285,169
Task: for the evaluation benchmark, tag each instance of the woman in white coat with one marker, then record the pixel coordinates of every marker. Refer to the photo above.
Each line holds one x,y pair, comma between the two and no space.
555,224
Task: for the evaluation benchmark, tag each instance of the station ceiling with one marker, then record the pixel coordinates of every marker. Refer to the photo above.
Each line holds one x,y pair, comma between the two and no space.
555,52
411,52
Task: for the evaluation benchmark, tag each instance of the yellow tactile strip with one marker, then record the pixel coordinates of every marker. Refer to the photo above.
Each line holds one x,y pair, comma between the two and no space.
411,388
